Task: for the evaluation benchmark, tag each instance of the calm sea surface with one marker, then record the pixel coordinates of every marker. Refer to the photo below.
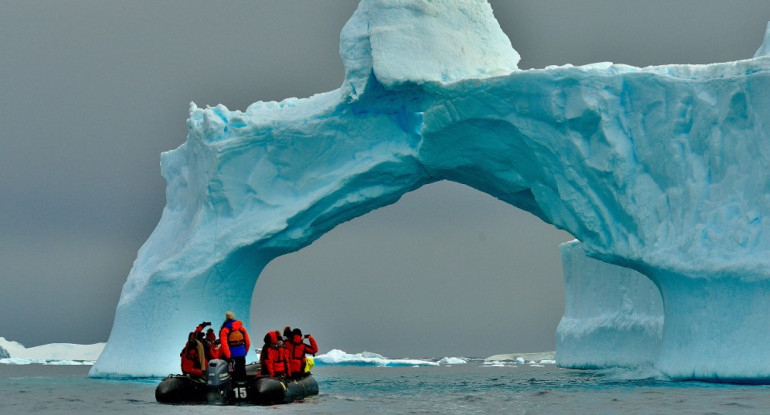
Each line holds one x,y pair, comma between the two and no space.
472,388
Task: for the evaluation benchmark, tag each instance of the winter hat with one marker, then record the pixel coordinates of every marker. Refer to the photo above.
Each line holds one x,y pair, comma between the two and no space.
229,315
278,338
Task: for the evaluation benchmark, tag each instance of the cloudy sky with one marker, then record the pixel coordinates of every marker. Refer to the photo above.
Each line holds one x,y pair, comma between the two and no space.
93,91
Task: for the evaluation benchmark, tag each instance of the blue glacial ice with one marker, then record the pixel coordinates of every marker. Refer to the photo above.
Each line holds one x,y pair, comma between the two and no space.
662,170
613,316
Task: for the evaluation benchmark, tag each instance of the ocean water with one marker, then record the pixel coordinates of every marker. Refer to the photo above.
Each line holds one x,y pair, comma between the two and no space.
471,388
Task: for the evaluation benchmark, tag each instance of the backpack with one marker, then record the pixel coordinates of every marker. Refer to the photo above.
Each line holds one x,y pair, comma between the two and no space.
235,338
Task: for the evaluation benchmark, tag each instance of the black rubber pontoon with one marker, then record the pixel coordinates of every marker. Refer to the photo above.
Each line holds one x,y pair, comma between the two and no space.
219,388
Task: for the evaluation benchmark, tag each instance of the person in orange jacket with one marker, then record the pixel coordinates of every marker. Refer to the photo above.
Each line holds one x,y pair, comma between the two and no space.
193,358
297,350
274,360
235,345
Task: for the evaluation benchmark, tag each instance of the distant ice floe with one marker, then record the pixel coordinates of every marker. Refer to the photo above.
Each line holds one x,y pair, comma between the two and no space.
452,361
52,362
532,359
338,357
60,354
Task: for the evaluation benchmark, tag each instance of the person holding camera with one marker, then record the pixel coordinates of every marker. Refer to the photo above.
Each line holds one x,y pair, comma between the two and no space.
194,357
297,351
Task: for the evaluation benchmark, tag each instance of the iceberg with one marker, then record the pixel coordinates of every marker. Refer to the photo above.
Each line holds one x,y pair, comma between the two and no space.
661,169
12,352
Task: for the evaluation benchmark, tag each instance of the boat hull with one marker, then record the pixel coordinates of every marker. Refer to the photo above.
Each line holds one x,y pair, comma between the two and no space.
179,389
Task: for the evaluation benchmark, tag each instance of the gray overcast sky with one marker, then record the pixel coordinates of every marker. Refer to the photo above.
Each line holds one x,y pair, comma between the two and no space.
93,91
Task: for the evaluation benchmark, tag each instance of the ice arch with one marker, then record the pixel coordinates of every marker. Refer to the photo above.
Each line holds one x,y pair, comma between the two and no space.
660,169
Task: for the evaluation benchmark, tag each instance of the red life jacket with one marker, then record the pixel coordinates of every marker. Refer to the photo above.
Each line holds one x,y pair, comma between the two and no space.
297,351
234,339
275,360
192,364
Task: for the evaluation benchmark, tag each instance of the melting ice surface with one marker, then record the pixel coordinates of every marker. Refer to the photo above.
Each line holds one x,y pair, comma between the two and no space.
660,169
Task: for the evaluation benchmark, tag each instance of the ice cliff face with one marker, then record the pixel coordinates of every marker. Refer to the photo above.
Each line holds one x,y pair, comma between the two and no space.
613,316
660,169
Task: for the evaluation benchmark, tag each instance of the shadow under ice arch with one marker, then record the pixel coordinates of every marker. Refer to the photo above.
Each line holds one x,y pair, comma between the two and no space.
652,168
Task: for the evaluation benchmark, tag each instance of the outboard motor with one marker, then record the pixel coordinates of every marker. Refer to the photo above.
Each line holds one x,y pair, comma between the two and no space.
218,381
218,375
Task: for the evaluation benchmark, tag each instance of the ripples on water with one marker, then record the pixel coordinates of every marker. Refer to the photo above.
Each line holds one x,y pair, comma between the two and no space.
471,388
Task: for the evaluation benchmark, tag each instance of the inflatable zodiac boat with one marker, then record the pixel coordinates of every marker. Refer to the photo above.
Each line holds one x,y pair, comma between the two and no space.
221,389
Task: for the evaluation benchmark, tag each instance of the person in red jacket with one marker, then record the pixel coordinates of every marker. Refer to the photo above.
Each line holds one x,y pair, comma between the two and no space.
207,339
214,346
297,350
235,344
274,360
286,334
193,358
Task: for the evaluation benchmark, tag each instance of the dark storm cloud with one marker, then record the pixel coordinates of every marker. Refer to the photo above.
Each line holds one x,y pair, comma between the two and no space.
94,91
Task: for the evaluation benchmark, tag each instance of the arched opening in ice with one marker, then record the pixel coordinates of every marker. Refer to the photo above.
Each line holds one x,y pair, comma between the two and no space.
443,256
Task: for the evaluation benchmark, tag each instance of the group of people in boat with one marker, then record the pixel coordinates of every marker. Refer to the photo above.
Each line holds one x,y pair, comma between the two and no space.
281,355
